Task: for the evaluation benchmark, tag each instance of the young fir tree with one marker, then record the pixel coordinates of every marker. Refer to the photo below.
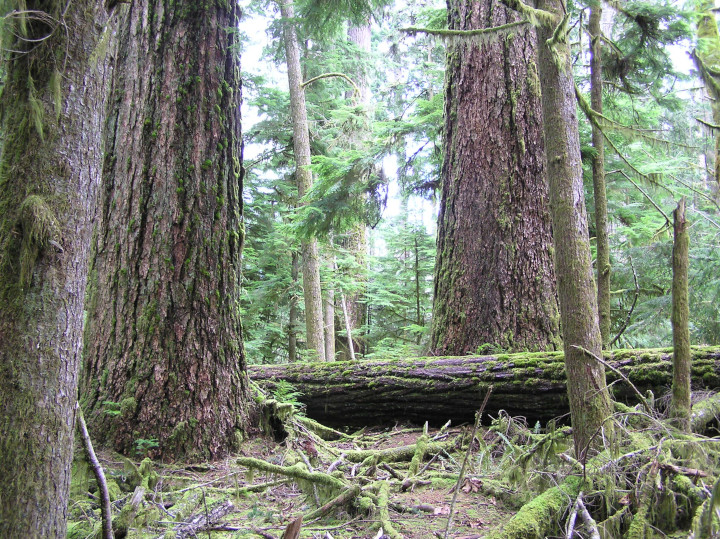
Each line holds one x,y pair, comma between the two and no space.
494,281
164,357
54,89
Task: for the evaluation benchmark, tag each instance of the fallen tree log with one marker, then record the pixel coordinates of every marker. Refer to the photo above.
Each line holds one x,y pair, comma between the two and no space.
347,393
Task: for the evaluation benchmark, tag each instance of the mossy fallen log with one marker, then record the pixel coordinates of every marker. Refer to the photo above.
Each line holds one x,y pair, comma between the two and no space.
380,392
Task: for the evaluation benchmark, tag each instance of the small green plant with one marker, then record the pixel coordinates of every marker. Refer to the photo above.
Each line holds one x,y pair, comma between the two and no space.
287,393
143,445
112,408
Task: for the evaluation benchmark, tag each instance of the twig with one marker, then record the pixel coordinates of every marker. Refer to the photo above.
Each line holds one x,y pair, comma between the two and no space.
478,416
617,371
335,464
206,484
344,497
590,523
261,533
99,475
570,528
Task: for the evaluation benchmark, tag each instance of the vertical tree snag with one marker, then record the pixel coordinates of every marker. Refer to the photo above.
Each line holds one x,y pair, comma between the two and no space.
680,406
164,357
52,115
303,176
588,395
494,275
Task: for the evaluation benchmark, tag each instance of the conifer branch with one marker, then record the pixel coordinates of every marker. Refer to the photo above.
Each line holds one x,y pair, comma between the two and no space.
536,17
648,197
479,36
601,121
356,90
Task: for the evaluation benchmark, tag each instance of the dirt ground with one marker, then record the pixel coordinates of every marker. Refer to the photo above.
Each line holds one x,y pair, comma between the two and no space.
211,500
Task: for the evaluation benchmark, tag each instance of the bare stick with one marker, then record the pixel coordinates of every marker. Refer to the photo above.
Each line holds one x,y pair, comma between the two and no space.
99,475
465,460
590,523
570,529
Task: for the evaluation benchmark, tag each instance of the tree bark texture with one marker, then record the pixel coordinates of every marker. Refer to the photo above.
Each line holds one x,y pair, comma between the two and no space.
293,312
589,398
681,395
164,358
381,392
599,186
494,276
52,105
303,176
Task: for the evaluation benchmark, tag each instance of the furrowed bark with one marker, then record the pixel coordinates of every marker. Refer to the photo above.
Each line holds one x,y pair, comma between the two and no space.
494,275
164,358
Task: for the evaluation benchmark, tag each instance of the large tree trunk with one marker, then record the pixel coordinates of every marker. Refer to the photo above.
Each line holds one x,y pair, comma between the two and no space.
599,188
589,398
303,176
437,389
164,356
52,115
494,277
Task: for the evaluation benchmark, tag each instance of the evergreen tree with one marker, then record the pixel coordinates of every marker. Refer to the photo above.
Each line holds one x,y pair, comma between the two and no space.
494,281
163,358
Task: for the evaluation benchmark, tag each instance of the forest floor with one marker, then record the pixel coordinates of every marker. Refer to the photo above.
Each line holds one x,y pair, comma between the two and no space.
215,500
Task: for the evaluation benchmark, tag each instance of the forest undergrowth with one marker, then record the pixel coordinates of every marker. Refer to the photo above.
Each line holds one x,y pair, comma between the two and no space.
505,479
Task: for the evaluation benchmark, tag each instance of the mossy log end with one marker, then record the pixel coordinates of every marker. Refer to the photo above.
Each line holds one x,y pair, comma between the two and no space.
437,389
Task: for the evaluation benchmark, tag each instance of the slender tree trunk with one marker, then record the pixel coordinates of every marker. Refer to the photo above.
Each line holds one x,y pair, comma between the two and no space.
356,240
419,319
494,276
587,391
52,116
293,315
303,176
164,356
707,60
599,188
329,314
680,405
